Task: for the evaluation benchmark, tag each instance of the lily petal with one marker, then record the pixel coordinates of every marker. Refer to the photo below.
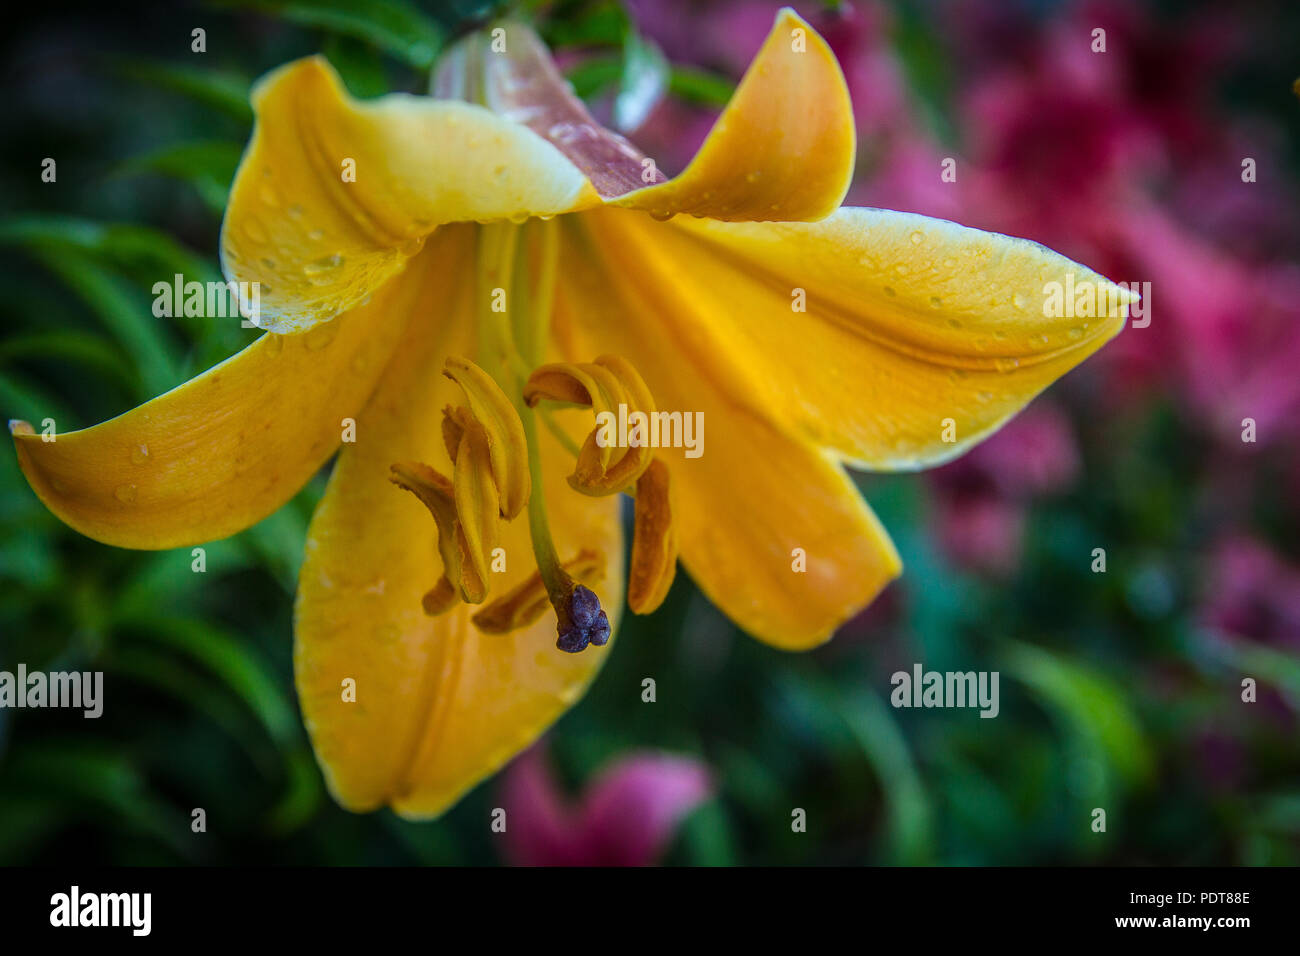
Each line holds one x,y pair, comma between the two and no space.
909,321
333,195
757,496
783,148
224,450
439,705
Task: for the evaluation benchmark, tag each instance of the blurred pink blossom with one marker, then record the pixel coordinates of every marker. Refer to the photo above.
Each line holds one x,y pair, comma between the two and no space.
626,817
1252,594
980,498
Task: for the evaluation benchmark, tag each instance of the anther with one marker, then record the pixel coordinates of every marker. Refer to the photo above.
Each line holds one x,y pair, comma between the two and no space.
581,622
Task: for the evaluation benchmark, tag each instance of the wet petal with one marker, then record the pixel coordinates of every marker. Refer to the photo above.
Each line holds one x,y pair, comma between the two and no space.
224,450
909,322
439,705
756,498
783,148
334,195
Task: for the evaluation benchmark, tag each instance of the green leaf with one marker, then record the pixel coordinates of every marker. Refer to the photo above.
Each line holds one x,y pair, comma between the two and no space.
1090,707
911,821
642,84
225,92
395,26
126,316
208,166
700,86
594,74
235,664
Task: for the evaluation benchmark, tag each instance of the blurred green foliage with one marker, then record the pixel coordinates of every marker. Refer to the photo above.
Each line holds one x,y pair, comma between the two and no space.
1101,683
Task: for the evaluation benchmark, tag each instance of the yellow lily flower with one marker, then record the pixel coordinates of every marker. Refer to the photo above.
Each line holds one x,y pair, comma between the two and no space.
496,232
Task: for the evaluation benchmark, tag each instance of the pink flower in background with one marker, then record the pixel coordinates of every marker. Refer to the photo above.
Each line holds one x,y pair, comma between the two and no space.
980,499
626,816
1252,594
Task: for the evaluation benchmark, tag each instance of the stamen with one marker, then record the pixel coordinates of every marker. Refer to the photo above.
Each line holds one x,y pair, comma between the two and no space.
611,387
581,622
527,601
490,481
654,542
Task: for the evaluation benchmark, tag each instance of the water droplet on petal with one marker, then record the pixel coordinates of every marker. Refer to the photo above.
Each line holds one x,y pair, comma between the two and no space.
954,323
321,336
918,238
294,211
316,235
936,302
323,264
889,291
139,454
253,230
125,493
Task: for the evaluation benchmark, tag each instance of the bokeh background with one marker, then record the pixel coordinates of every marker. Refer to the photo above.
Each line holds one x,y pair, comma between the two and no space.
1119,690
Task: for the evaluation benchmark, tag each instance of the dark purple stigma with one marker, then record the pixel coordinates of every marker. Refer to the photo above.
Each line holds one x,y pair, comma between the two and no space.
587,623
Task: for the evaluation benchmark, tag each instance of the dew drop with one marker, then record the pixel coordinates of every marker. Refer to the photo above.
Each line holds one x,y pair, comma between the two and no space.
918,238
954,323
1018,301
662,215
889,291
984,397
253,230
294,211
316,235
269,263
268,195
323,264
936,302
1006,364
1075,333
125,493
139,454
274,344
321,336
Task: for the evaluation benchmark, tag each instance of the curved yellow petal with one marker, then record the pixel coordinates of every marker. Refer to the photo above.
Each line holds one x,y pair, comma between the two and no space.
224,450
757,505
783,148
439,705
895,340
333,195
